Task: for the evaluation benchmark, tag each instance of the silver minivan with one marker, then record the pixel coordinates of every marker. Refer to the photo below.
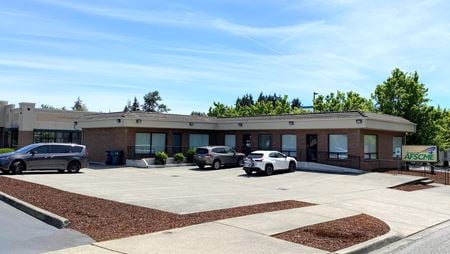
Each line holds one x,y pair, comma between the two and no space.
45,156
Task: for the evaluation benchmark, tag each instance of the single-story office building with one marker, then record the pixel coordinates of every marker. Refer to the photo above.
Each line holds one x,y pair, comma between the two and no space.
354,139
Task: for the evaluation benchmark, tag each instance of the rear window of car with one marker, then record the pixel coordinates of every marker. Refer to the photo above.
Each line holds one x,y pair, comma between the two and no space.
202,151
59,149
255,155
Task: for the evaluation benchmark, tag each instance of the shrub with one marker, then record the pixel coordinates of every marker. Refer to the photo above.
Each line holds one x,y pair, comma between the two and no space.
178,157
161,158
190,155
6,150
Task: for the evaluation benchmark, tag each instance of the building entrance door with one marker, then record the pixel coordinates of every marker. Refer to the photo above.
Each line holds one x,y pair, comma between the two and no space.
311,147
247,144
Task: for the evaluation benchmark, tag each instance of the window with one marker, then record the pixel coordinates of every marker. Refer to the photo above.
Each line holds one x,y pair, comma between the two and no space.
59,149
158,142
176,143
265,142
40,149
230,141
150,143
396,144
197,140
57,136
337,146
289,145
229,150
370,147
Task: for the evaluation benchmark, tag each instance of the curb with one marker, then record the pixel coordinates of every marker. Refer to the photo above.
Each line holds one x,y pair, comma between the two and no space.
40,214
372,244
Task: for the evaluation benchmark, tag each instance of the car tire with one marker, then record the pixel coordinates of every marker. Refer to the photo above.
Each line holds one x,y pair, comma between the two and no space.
216,164
201,166
269,169
17,167
240,162
248,172
73,167
292,167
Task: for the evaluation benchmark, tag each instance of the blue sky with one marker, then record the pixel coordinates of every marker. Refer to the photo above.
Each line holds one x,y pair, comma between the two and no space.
198,52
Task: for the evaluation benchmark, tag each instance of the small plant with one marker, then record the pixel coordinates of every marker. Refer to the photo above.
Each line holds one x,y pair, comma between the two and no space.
6,150
178,157
161,158
190,155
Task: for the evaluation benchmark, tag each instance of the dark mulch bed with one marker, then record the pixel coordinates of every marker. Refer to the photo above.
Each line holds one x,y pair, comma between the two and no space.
106,220
412,187
437,177
337,234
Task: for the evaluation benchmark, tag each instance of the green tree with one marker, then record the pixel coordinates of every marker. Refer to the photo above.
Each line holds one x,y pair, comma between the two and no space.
127,107
152,103
442,137
79,105
342,102
135,106
197,113
46,106
402,94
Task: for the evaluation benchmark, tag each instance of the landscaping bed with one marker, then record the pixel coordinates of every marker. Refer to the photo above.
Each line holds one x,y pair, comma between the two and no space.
337,234
437,177
106,220
412,187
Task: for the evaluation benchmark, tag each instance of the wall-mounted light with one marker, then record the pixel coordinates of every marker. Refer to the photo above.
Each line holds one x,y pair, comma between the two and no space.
359,121
138,120
118,120
291,122
240,124
75,123
191,124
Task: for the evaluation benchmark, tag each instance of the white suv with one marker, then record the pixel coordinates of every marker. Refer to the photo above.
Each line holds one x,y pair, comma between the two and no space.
268,161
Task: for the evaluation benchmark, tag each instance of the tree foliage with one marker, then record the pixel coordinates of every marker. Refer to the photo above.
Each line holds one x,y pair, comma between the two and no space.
402,94
152,103
342,102
78,105
246,106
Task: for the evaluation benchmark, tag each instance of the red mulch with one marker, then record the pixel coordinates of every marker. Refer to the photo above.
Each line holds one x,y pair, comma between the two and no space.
437,177
106,220
412,187
337,234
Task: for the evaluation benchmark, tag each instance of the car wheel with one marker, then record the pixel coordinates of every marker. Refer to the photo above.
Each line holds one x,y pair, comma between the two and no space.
216,164
17,167
73,167
269,169
292,167
201,166
248,172
240,163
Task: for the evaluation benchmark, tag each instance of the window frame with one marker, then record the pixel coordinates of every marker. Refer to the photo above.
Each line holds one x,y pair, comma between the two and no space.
371,155
291,153
337,155
270,140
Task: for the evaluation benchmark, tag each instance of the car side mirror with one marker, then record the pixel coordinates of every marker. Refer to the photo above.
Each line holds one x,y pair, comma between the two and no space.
32,153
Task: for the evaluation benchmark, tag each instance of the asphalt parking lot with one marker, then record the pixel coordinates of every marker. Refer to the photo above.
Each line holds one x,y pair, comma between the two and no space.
22,233
188,189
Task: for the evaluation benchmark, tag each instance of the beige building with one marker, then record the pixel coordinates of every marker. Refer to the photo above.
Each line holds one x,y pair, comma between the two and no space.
20,126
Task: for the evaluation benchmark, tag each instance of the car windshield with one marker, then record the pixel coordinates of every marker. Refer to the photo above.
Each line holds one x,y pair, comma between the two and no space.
255,155
202,151
26,149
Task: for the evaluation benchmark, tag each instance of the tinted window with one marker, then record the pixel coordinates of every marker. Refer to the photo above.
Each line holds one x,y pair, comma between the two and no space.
59,149
273,155
202,151
40,149
229,150
75,149
255,155
219,150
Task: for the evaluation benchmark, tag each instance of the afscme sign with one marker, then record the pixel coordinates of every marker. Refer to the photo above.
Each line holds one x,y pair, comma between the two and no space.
419,153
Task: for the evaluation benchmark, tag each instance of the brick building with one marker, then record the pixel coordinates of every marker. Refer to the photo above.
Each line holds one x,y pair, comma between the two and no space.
353,139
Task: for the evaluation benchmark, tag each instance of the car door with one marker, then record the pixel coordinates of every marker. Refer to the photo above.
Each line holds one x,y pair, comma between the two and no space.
284,162
38,158
59,155
273,157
